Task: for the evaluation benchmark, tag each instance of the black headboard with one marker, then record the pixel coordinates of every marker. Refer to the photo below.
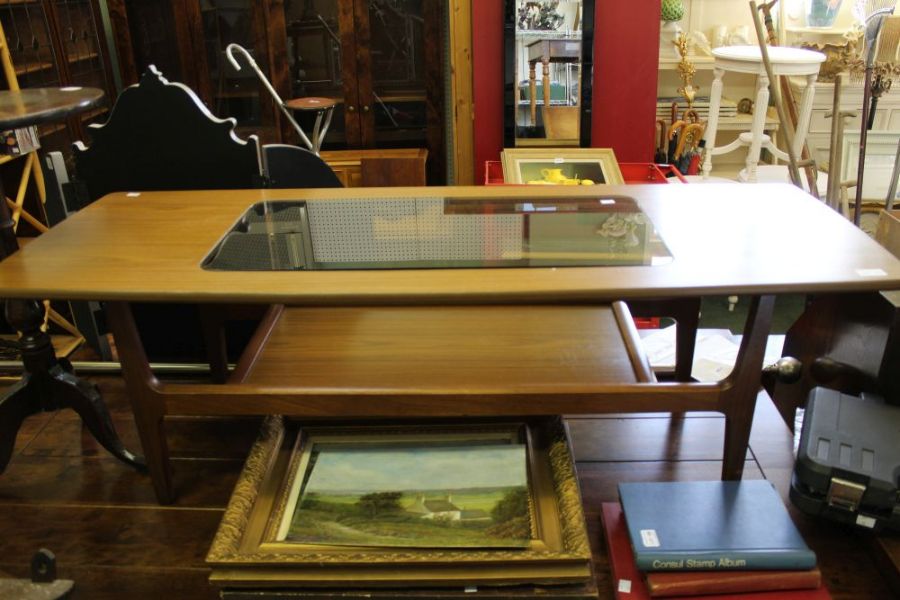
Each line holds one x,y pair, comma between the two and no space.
160,136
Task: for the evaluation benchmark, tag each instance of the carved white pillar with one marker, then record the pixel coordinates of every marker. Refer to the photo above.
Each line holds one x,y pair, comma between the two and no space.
806,105
715,100
760,108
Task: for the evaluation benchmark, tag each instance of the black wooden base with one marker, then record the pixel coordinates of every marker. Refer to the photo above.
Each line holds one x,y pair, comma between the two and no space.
49,384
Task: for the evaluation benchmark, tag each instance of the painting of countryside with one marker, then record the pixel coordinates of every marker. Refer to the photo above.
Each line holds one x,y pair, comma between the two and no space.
424,496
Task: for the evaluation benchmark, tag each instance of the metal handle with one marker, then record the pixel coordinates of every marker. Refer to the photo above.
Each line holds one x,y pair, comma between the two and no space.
351,108
785,370
365,108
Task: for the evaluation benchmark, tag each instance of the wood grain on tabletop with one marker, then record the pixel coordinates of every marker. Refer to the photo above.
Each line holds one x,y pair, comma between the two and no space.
726,239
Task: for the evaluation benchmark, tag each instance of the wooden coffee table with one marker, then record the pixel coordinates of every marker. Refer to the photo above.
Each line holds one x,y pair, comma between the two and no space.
514,341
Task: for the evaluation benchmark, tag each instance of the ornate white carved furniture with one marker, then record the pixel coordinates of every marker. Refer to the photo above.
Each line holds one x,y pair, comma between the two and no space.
747,59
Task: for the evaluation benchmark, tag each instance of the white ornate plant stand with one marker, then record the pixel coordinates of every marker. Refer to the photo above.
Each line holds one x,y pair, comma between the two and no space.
747,59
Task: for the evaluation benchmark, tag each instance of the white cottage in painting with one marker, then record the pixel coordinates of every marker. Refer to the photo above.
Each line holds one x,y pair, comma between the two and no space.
443,509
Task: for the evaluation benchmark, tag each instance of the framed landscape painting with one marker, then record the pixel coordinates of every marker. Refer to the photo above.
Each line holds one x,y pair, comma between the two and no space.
409,505
408,490
561,166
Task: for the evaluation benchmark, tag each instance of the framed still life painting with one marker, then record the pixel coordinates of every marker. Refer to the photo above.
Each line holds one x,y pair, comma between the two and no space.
405,506
561,166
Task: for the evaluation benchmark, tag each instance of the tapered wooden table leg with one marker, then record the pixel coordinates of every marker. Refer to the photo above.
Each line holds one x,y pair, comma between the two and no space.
738,401
545,82
147,404
532,92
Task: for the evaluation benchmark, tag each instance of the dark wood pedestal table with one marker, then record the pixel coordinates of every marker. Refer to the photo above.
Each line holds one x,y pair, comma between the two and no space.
48,383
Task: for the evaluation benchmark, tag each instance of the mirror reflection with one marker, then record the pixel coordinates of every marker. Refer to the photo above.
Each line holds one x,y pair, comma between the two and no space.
547,62
436,233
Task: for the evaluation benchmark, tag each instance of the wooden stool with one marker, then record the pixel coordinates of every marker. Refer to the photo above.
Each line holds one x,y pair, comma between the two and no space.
324,108
748,59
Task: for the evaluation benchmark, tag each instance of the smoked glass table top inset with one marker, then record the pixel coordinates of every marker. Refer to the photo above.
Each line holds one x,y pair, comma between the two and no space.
436,233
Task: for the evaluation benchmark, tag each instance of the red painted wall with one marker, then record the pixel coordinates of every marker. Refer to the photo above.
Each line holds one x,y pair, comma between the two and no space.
487,81
626,61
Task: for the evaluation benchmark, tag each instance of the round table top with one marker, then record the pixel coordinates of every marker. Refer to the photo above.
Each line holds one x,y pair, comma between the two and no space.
777,54
310,103
34,106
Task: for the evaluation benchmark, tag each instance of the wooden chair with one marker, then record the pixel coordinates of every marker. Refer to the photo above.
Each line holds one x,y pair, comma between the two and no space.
160,136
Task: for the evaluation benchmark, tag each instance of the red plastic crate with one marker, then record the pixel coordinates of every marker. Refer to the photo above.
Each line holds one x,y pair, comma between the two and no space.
646,322
493,173
649,173
631,172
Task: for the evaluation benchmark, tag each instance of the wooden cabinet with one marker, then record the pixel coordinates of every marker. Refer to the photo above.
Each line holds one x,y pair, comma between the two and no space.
186,41
377,168
55,43
383,60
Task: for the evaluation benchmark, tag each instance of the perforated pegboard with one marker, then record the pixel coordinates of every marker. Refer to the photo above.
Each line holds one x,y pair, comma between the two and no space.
405,229
363,230
467,237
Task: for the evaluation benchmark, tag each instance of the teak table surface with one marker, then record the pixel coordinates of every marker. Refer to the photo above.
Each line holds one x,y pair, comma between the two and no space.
758,240
726,239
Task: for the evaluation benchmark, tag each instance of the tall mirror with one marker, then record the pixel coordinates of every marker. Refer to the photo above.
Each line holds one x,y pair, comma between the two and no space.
548,46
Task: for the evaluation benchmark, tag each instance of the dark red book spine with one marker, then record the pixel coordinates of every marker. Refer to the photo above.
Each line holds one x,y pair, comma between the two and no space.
695,583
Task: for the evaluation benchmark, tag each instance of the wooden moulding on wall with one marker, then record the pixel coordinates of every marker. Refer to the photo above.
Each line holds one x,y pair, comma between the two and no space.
461,90
246,552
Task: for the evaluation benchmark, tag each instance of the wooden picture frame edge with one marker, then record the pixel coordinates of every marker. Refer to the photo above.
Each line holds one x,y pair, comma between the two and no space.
242,553
605,157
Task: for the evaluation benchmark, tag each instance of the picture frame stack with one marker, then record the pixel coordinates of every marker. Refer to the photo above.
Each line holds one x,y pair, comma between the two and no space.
399,510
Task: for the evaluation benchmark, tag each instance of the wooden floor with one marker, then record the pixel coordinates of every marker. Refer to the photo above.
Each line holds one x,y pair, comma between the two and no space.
63,492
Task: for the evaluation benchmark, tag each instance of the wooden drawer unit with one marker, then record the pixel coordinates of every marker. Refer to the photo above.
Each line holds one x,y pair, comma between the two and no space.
378,168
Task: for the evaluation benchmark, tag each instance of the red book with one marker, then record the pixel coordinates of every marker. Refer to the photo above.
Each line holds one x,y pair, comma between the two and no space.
694,583
628,583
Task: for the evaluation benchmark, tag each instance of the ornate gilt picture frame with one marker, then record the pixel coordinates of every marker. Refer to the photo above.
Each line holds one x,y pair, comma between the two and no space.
561,166
248,550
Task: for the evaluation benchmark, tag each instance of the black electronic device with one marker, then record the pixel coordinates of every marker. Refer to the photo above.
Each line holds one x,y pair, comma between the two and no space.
848,462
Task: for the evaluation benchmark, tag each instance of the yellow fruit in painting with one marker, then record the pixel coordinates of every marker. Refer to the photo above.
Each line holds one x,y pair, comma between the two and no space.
587,182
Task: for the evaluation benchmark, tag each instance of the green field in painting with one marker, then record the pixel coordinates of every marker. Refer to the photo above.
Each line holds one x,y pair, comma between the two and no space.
467,500
339,519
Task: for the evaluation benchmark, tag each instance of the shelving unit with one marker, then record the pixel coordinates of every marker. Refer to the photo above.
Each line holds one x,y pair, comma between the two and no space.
702,63
723,22
708,16
57,43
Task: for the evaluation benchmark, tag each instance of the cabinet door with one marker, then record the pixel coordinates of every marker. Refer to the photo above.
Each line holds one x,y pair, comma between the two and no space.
238,93
322,59
394,69
55,43
82,52
381,59
28,38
